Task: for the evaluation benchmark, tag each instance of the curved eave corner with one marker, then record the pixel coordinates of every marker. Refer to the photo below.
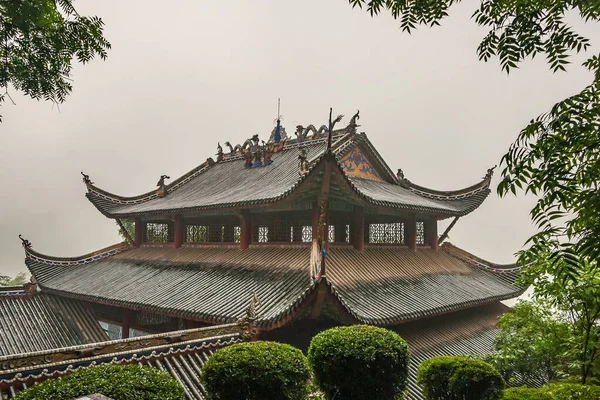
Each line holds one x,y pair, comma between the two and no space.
32,255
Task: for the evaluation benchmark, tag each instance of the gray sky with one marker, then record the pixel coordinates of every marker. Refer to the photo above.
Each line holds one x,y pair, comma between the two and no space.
183,75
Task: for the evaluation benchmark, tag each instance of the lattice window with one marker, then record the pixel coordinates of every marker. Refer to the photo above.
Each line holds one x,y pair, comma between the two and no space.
237,232
347,233
307,234
157,233
196,233
420,232
392,233
331,233
263,234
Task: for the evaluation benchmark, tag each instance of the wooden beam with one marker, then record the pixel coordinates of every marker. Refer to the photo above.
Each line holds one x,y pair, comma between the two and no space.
431,233
126,324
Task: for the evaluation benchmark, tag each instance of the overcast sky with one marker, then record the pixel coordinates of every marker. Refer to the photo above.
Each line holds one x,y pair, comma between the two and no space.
183,75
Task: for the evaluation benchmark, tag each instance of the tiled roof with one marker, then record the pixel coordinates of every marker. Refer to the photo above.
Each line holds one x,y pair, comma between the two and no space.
41,321
228,184
460,333
468,332
380,286
180,353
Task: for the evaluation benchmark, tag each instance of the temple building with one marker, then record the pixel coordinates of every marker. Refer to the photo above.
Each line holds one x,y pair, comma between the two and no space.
316,229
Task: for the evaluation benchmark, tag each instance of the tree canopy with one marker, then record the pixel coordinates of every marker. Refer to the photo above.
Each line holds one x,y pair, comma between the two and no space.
557,155
39,39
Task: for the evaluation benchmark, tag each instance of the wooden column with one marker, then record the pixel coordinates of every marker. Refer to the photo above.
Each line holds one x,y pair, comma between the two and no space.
315,220
139,232
410,232
358,228
245,230
178,232
431,233
125,323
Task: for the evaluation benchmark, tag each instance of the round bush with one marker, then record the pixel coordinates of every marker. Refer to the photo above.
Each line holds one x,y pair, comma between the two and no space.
130,382
360,362
459,378
257,371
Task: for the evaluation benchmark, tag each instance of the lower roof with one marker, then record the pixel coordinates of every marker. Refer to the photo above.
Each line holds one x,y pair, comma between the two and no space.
459,333
384,285
41,321
180,353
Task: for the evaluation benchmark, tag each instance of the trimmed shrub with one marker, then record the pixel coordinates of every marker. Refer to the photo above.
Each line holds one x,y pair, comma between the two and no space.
360,362
257,371
130,382
459,378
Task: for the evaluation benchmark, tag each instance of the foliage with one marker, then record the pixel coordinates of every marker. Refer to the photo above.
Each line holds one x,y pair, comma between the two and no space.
129,228
556,157
39,40
530,345
525,393
19,280
256,371
360,362
554,391
131,382
459,378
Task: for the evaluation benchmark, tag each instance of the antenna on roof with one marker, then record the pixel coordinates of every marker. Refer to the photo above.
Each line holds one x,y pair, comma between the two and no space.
277,136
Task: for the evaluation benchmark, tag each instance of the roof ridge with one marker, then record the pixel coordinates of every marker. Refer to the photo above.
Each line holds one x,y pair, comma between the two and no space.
478,262
79,260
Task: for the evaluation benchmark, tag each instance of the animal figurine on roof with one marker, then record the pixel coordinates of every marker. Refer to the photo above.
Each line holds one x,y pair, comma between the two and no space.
233,150
405,183
353,125
162,187
219,152
26,243
302,132
86,179
302,163
490,173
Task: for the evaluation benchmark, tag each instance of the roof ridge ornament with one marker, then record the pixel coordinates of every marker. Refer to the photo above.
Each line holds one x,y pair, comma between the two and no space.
302,163
489,173
246,322
86,179
353,125
219,152
26,243
402,181
162,187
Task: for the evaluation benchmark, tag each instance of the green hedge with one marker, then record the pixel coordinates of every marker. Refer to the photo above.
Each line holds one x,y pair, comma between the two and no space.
525,393
459,378
360,362
554,391
257,371
131,382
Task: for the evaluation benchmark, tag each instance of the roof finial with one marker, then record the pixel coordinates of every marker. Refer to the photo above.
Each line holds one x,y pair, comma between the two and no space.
331,126
26,243
277,136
